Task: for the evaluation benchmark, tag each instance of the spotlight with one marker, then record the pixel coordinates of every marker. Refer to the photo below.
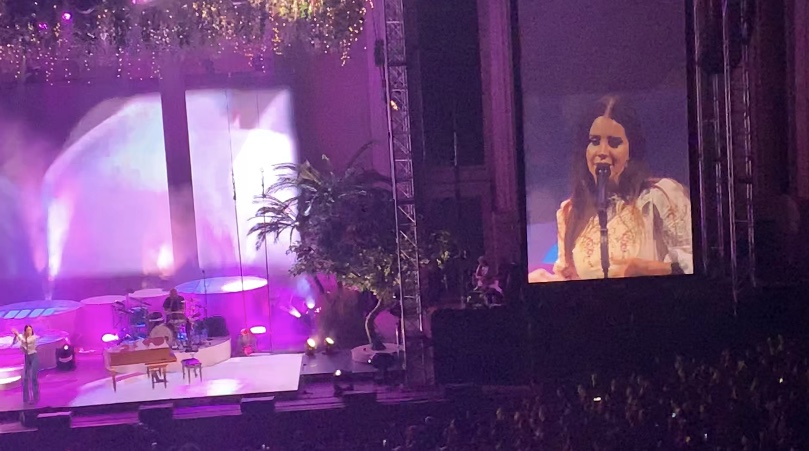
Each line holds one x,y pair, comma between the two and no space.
65,358
109,338
294,312
343,382
311,346
258,330
382,361
310,303
330,345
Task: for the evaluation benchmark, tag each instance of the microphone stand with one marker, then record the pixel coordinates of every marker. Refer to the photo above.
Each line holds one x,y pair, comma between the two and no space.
602,178
205,292
605,249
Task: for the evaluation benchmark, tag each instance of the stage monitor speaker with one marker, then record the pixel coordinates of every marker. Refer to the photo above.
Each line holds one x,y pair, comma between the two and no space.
263,406
359,399
481,346
65,358
55,420
156,414
216,327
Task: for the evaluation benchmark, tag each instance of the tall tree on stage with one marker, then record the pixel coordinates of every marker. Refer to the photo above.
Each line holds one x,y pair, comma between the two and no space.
342,223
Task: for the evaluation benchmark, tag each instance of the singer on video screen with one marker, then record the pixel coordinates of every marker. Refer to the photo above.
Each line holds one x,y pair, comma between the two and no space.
642,223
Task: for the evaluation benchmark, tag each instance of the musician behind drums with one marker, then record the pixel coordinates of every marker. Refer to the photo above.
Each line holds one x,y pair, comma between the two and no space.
176,319
174,306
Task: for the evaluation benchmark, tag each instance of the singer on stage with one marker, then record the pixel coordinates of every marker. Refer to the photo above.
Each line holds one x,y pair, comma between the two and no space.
647,221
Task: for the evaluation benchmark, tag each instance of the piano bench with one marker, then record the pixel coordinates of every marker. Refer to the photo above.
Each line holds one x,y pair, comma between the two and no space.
192,365
157,373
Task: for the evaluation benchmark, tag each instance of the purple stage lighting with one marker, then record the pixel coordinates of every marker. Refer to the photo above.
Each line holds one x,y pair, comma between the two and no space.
66,16
294,312
311,346
330,345
258,330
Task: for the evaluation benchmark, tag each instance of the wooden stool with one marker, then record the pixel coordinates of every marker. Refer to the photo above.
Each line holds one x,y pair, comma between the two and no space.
189,365
157,373
114,373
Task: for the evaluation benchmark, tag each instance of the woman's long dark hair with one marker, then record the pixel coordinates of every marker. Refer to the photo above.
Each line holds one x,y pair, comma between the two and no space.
634,179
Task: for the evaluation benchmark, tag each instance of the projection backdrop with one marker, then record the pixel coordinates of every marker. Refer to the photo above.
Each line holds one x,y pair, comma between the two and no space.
84,190
623,61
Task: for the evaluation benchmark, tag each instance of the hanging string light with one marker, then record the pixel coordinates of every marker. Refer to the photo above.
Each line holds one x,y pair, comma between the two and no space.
57,37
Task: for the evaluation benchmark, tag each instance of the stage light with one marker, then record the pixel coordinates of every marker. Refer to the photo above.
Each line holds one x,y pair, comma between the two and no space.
243,285
311,346
310,303
258,330
343,382
109,338
65,358
294,312
66,16
330,345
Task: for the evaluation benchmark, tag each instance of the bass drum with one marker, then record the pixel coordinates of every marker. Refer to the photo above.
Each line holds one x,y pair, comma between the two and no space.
161,330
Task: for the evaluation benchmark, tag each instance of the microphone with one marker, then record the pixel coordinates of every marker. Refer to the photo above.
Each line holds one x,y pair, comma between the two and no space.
602,177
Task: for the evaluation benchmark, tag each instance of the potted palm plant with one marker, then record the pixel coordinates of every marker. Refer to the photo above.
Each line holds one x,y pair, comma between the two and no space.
342,223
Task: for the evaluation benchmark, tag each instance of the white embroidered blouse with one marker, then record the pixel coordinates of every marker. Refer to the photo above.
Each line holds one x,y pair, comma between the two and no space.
658,228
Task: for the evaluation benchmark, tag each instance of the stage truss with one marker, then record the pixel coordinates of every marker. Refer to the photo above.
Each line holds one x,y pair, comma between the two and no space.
725,145
417,369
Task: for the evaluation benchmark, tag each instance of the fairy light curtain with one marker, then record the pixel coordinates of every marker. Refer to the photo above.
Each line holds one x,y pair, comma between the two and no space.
61,37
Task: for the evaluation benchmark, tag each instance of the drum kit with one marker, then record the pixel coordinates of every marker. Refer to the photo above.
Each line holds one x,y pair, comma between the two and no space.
184,328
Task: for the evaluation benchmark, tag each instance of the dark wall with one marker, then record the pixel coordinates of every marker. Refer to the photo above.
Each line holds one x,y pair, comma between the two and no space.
449,61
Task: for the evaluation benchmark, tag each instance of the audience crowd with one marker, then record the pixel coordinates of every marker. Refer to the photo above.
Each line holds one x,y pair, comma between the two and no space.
754,399
750,399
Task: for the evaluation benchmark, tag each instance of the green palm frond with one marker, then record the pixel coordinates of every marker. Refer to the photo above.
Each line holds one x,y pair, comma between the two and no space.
345,223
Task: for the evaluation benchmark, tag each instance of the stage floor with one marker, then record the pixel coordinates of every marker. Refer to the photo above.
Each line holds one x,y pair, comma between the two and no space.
91,385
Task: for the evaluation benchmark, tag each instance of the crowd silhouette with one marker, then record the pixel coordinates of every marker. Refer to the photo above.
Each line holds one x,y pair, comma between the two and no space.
755,398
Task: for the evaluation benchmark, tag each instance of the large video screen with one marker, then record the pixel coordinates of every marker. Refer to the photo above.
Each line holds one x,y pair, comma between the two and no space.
605,127
85,188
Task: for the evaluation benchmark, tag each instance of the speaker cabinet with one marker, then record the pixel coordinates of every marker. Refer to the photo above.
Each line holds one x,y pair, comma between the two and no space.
156,414
55,420
263,406
360,399
216,327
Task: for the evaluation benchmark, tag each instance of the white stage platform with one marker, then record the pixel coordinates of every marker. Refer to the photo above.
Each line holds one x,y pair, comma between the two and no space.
91,385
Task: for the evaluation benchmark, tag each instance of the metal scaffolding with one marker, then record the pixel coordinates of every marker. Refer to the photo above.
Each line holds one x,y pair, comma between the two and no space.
417,369
725,148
